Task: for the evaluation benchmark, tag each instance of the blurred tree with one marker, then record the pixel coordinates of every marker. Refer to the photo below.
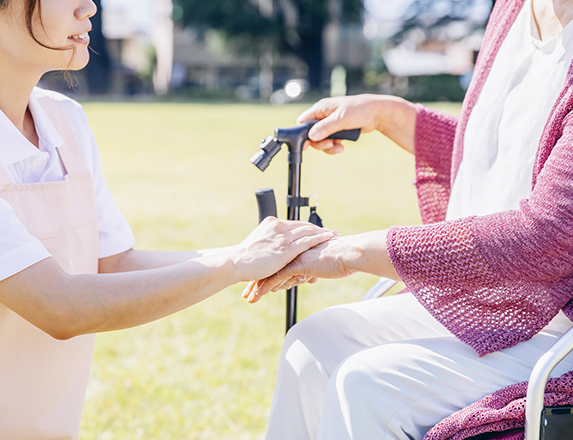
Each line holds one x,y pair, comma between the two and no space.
98,69
431,16
288,26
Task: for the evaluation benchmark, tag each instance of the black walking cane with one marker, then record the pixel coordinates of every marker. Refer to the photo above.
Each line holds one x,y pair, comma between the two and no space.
294,138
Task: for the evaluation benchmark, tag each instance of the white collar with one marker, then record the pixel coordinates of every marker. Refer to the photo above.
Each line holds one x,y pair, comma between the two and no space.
14,147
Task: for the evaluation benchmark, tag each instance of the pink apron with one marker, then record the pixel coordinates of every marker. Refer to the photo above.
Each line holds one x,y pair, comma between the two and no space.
42,380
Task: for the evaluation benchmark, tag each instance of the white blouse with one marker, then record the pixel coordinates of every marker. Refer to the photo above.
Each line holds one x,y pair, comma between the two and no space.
27,164
505,126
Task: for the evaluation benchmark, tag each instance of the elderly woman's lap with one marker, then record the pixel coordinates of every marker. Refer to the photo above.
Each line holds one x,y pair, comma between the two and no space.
385,369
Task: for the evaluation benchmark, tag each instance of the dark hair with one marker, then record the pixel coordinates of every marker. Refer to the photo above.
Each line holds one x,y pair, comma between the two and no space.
31,6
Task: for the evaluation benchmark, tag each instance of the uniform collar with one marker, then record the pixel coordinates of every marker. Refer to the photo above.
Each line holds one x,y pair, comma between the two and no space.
14,147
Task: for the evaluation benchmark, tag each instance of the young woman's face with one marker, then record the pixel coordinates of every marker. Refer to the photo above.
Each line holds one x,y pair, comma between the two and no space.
63,24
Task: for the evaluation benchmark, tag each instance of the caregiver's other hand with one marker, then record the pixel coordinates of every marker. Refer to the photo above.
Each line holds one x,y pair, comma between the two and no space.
337,258
390,115
274,244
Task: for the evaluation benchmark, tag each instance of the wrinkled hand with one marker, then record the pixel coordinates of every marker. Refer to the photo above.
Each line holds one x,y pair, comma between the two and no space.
341,113
332,259
274,244
392,116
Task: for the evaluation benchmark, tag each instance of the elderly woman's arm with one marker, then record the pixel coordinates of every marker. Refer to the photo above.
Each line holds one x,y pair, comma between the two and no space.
493,280
426,132
393,117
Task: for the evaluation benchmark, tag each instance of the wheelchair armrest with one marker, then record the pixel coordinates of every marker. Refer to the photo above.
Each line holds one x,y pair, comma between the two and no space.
380,288
538,380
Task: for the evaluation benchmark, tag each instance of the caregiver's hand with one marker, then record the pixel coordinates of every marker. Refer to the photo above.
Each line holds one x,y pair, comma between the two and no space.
392,116
274,244
337,258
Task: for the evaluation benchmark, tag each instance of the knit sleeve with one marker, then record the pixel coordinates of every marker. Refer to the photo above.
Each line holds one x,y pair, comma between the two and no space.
497,280
434,141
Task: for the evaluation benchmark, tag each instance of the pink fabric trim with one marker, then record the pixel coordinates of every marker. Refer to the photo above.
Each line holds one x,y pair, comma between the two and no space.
434,140
502,411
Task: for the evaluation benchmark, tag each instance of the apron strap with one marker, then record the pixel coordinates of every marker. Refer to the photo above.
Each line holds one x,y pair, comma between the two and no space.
70,151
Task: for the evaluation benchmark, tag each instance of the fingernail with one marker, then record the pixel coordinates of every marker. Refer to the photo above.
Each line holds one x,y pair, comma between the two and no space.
315,134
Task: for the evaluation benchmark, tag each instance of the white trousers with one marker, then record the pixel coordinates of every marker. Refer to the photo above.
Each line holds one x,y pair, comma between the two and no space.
385,369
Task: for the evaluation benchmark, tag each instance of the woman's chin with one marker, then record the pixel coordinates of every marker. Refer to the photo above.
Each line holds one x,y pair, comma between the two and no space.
78,62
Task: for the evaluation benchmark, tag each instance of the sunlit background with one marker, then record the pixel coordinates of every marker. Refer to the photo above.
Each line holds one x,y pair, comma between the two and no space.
253,50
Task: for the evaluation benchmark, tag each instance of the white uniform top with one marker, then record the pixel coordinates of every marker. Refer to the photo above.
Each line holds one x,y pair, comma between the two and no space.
505,126
27,164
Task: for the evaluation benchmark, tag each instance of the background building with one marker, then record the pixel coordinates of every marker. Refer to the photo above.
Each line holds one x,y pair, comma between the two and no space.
421,49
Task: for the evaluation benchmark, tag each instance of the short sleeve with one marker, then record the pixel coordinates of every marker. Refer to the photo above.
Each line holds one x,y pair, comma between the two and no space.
18,248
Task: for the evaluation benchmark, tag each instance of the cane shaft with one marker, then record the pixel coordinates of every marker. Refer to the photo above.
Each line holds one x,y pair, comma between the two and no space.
293,213
291,299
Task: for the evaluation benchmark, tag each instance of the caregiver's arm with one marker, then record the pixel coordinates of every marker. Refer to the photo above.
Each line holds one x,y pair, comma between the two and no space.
65,305
392,116
141,259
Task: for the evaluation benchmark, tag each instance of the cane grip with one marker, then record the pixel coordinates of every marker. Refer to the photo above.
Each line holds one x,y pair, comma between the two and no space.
267,203
347,135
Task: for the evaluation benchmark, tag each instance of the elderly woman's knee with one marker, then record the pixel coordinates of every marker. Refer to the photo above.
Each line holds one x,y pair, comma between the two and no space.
352,376
315,342
386,368
321,325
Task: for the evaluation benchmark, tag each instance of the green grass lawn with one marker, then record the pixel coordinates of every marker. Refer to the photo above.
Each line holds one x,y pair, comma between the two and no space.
181,175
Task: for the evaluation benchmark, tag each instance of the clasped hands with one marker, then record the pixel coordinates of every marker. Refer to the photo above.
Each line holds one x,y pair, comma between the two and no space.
331,259
338,257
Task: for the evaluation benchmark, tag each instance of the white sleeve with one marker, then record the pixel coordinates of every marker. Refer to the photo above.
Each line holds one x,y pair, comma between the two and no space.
115,234
18,249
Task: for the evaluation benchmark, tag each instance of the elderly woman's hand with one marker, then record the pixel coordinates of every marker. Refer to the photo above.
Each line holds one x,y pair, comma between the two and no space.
392,116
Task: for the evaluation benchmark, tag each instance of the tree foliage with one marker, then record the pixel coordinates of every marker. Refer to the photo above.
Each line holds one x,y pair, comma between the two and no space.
431,16
293,26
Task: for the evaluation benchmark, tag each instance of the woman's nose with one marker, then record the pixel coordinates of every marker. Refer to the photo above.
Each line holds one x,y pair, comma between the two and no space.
86,9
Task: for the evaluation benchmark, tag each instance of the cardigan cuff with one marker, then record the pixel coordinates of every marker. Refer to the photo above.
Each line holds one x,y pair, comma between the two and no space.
445,271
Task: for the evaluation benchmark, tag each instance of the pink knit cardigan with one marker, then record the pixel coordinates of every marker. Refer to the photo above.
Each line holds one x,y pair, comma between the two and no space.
493,280
502,412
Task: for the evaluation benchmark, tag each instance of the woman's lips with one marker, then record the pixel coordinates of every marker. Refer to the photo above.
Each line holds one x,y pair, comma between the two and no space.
81,38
